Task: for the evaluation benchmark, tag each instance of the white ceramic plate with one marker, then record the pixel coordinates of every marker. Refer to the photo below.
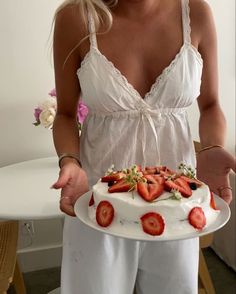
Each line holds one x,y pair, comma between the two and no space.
81,211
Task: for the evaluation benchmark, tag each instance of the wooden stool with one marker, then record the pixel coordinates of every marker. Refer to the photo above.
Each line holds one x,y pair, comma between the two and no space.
9,268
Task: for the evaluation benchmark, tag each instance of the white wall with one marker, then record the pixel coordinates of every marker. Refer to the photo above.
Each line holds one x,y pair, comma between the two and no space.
26,77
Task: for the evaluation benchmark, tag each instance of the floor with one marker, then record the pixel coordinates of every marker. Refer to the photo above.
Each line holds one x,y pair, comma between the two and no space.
224,278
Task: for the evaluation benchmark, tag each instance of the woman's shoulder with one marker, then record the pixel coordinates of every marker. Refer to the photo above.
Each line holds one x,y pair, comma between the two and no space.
201,16
70,20
200,10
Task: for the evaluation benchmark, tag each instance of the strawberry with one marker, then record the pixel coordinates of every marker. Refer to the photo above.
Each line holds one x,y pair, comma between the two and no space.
212,202
113,177
153,223
150,171
185,186
104,213
150,179
191,180
120,186
91,201
149,192
159,179
180,186
197,218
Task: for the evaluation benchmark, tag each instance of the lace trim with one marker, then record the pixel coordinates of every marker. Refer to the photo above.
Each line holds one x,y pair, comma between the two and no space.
123,80
186,21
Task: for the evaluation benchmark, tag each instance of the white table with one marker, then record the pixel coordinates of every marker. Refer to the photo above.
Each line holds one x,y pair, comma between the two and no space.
25,191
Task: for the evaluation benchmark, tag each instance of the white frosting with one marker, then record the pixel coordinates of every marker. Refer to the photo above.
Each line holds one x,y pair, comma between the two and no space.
129,207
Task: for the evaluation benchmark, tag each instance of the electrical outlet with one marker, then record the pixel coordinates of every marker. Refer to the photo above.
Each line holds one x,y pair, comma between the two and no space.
27,228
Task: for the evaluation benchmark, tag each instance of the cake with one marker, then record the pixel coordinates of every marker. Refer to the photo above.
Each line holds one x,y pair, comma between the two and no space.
153,201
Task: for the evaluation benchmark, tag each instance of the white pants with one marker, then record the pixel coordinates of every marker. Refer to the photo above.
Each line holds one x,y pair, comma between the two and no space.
97,263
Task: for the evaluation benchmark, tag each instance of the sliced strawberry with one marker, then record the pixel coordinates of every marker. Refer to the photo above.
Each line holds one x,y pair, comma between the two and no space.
186,190
172,185
159,179
150,179
104,213
150,171
197,218
190,181
139,168
91,201
149,192
113,177
166,173
212,202
153,223
120,186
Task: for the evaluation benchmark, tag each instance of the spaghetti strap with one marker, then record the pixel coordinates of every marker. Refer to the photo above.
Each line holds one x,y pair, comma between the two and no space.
92,31
186,21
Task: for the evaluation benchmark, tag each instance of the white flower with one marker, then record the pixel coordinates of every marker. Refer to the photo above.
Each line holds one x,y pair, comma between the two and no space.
47,117
50,102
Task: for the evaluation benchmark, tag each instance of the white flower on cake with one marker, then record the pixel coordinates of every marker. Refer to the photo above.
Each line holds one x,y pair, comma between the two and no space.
155,200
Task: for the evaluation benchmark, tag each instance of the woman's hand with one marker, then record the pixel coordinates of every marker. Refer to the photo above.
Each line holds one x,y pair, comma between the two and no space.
213,167
73,183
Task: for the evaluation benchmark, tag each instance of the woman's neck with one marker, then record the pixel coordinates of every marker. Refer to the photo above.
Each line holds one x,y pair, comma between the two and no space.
134,9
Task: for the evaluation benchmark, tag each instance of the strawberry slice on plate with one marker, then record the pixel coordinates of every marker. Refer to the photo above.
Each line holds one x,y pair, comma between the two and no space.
104,213
197,218
149,192
212,202
153,223
113,177
120,186
91,201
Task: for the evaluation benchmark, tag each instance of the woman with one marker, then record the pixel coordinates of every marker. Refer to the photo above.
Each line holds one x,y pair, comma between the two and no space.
137,74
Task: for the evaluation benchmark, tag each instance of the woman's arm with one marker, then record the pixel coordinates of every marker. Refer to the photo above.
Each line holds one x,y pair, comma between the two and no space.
67,34
214,164
212,124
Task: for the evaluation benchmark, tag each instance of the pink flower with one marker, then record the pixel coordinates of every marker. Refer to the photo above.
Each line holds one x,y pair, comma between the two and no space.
82,111
53,93
37,112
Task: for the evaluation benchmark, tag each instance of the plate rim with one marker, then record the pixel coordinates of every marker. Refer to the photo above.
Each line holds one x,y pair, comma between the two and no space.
82,215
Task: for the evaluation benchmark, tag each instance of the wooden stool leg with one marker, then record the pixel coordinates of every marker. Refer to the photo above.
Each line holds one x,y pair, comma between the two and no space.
18,281
204,275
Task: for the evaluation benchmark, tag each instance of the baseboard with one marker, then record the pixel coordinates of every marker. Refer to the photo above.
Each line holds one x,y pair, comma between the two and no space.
37,258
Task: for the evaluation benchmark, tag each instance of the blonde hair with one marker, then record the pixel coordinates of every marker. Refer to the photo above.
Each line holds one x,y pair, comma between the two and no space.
99,10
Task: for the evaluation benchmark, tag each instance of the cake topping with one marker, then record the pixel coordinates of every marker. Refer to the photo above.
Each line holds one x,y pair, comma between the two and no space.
197,218
153,223
104,213
149,192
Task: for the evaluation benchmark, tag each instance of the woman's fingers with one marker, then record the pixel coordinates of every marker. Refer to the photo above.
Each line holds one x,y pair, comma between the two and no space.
66,205
63,179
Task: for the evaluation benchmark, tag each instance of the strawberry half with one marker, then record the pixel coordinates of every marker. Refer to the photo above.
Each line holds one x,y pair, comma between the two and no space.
154,179
187,192
212,202
153,223
120,186
104,213
197,218
149,192
91,201
179,185
113,177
